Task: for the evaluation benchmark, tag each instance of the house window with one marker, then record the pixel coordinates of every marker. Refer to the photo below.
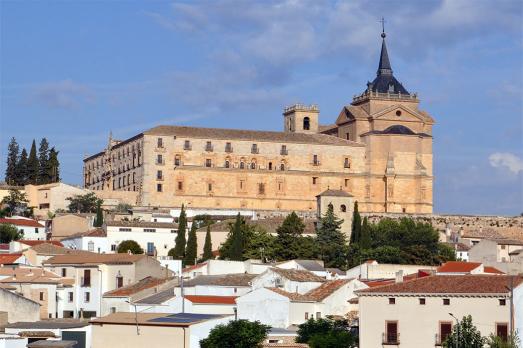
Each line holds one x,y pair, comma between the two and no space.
150,248
254,149
502,331
87,297
228,147
159,175
318,315
90,246
113,310
70,296
87,278
149,229
242,165
113,247
503,247
209,187
41,296
177,160
208,163
392,300
283,150
315,160
346,163
343,208
261,188
270,165
187,145
446,301
306,123
346,182
208,146
502,302
347,136
306,315
227,164
119,281
391,332
242,184
445,329
64,272
159,143
422,301
314,180
124,229
180,185
159,159
159,187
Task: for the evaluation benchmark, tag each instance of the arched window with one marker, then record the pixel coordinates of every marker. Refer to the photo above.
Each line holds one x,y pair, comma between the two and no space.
282,166
343,208
227,164
242,165
253,165
306,123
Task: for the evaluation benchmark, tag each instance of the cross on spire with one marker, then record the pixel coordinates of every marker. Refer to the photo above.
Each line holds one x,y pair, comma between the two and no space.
382,21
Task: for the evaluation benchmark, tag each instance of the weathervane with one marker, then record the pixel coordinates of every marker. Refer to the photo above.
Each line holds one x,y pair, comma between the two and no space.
382,21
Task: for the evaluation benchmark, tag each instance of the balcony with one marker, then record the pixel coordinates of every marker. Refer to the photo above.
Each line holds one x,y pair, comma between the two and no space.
284,152
316,163
255,150
209,148
228,149
391,339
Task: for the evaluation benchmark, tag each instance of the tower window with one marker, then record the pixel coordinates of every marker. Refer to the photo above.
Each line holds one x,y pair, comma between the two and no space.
177,160
306,123
282,166
270,165
343,208
346,163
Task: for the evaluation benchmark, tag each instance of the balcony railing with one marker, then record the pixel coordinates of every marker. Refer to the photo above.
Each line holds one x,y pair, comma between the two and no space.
391,339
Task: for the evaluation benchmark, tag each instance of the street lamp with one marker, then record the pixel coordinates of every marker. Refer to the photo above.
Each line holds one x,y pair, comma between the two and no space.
457,325
135,316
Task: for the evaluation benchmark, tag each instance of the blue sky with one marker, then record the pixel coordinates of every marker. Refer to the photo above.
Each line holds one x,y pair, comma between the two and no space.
72,71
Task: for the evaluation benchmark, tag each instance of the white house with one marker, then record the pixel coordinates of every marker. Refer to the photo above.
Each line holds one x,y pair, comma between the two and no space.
371,269
218,285
155,238
95,241
314,266
216,267
289,280
31,229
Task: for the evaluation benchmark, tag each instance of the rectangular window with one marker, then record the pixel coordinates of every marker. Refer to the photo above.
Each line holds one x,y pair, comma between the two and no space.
208,163
502,302
149,229
347,136
150,248
392,300
391,332
113,310
177,160
187,145
208,146
87,297
314,180
318,315
346,163
209,187
64,272
445,329
113,247
159,159
422,301
180,185
503,247
284,150
159,187
228,147
159,175
306,315
87,277
119,282
315,160
261,188
124,229
70,296
41,296
254,148
502,331
159,143
446,301
346,182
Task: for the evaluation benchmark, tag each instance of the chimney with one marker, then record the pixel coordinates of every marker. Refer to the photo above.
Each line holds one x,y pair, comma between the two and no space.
399,276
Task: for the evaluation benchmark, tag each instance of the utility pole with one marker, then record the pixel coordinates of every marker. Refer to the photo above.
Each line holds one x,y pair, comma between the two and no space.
457,328
181,291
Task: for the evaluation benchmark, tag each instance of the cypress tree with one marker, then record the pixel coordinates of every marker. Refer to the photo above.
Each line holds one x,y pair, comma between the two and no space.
236,253
287,242
331,240
207,246
32,166
99,219
12,161
43,162
179,248
365,240
53,166
192,246
21,169
356,225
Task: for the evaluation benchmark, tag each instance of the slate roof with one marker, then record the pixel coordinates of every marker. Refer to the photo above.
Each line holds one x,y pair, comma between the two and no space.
448,284
249,135
158,298
298,275
235,279
136,287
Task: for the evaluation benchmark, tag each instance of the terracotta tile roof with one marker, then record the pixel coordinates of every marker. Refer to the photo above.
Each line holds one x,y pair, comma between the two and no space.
131,289
21,222
489,269
249,135
33,275
94,258
229,300
235,279
51,249
458,246
298,275
482,233
448,284
36,242
9,258
458,267
326,289
4,246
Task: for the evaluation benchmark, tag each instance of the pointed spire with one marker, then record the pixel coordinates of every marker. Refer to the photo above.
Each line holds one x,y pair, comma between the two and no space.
384,67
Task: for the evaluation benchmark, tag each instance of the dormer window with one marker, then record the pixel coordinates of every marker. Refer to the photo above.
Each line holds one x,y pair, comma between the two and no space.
391,88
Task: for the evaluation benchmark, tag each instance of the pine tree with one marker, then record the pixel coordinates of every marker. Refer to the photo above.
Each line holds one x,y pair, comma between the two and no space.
53,166
21,169
236,252
43,162
207,246
356,225
99,219
191,250
331,240
12,160
287,241
365,240
32,166
179,248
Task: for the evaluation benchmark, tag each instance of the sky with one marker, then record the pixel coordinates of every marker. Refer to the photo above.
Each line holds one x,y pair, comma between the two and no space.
74,71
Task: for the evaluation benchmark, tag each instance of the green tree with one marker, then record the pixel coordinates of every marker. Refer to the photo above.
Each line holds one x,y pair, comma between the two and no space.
53,166
464,334
129,245
43,162
99,219
207,246
331,241
320,333
494,341
12,161
236,334
365,239
33,169
356,225
8,233
236,251
191,250
179,248
16,202
289,232
87,203
21,169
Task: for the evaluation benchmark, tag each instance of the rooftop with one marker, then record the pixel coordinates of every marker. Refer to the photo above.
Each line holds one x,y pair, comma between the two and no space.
156,319
235,279
206,299
158,298
335,193
94,259
315,295
50,324
6,259
96,232
458,267
21,222
447,284
298,275
32,243
143,224
131,289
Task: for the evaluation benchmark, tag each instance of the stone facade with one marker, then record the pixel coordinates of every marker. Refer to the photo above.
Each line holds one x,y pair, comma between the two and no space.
379,150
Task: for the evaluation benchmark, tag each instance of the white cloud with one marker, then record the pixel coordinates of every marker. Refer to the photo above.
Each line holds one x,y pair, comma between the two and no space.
64,94
508,160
